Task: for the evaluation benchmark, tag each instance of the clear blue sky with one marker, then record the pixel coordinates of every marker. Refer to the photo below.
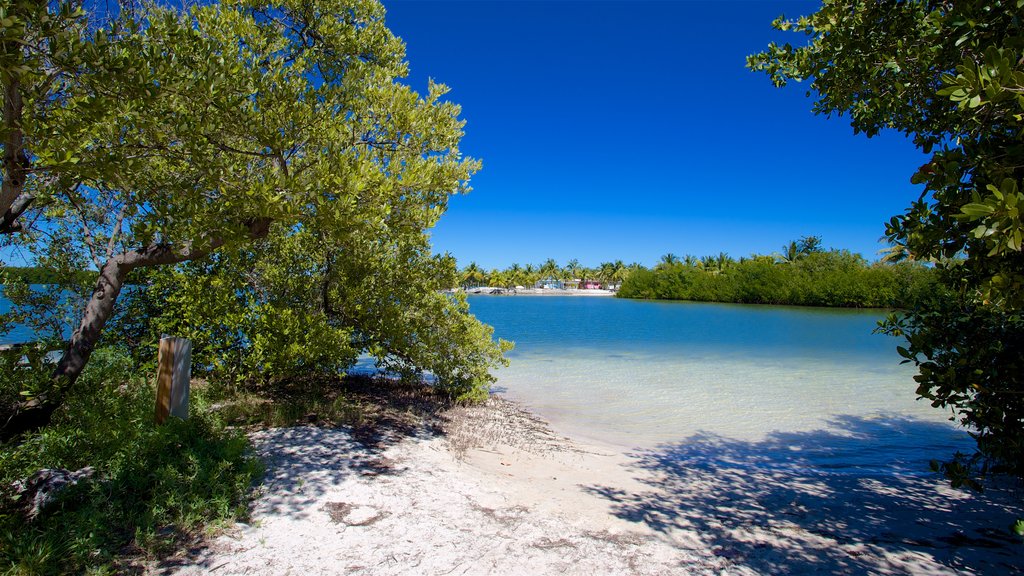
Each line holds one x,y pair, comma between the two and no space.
626,130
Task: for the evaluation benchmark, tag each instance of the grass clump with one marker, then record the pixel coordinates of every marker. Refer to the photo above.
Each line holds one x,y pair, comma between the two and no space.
153,488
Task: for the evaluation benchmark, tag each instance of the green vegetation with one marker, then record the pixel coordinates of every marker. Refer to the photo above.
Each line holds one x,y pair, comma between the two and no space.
950,75
271,182
605,274
153,487
803,275
262,175
36,275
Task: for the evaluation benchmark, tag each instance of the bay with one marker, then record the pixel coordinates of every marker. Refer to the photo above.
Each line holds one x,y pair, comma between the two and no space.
798,386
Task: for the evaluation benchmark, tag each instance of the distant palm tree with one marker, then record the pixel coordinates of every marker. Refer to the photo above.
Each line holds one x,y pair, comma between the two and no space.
572,268
549,269
668,260
790,253
515,275
472,275
530,275
723,261
619,272
691,261
797,249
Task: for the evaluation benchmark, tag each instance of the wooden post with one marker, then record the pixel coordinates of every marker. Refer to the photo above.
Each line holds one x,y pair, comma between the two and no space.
173,374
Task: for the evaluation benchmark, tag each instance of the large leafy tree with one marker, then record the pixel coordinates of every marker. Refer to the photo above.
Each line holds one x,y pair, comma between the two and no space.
170,136
949,75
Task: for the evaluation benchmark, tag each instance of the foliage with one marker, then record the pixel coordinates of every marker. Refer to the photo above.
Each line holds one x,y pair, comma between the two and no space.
274,138
37,275
812,278
608,274
970,358
950,75
294,305
153,483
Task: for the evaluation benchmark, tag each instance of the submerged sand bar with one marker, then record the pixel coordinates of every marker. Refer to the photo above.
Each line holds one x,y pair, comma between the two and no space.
497,492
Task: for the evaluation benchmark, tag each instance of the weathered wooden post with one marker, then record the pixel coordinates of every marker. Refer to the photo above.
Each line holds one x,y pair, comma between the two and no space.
173,374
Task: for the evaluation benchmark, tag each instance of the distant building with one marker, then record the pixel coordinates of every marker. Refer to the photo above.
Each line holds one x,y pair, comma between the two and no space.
550,284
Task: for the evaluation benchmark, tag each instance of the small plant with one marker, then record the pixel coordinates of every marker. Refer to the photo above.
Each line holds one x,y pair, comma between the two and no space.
153,487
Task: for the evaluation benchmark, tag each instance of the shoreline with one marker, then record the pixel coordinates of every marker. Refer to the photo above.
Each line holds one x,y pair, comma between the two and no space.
494,489
494,291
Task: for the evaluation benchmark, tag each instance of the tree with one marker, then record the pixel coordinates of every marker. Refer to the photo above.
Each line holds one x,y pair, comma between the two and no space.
249,125
797,249
549,269
572,269
668,260
516,275
808,245
473,275
530,275
950,75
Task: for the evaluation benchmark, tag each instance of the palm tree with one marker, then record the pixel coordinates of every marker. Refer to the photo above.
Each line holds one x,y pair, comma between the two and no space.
691,261
572,268
723,261
668,260
472,275
515,274
790,253
530,275
549,269
797,249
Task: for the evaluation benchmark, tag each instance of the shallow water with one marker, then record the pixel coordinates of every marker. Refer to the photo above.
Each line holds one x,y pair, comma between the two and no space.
802,386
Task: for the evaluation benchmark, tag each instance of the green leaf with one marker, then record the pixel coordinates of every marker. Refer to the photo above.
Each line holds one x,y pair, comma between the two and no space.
976,209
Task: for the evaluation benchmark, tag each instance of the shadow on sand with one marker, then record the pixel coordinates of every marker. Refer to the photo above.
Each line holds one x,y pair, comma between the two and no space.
814,502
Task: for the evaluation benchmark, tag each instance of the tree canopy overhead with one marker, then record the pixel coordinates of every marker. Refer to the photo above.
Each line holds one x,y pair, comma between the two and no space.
950,75
165,136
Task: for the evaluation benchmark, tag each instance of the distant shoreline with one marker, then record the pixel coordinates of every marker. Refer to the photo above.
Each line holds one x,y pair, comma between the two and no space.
494,291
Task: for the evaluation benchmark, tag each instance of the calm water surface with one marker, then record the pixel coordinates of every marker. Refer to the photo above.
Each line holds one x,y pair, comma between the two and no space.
784,379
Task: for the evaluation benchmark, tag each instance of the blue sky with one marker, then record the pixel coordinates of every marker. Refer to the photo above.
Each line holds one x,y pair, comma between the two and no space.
626,130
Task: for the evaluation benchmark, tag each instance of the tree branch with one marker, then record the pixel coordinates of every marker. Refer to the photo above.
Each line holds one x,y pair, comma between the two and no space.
15,161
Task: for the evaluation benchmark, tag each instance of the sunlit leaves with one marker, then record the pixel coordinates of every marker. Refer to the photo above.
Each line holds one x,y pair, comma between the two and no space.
178,129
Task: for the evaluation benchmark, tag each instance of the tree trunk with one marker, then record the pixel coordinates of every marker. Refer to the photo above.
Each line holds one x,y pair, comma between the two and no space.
37,413
99,309
15,161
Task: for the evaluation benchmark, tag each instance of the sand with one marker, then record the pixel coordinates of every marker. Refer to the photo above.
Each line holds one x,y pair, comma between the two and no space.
493,490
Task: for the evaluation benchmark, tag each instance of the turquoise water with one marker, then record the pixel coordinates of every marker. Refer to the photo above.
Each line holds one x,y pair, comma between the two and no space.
21,333
646,374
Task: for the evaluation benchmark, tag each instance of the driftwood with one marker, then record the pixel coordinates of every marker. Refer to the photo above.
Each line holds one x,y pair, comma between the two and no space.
40,490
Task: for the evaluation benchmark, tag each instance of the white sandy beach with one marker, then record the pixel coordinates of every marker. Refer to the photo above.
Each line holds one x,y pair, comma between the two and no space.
492,490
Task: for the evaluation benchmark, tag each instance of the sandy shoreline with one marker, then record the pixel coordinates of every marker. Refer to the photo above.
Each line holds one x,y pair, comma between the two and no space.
492,291
493,490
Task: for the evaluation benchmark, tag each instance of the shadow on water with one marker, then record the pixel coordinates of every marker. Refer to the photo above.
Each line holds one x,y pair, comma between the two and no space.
816,502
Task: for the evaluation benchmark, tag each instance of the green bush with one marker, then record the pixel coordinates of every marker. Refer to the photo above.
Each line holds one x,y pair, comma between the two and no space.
153,484
833,278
